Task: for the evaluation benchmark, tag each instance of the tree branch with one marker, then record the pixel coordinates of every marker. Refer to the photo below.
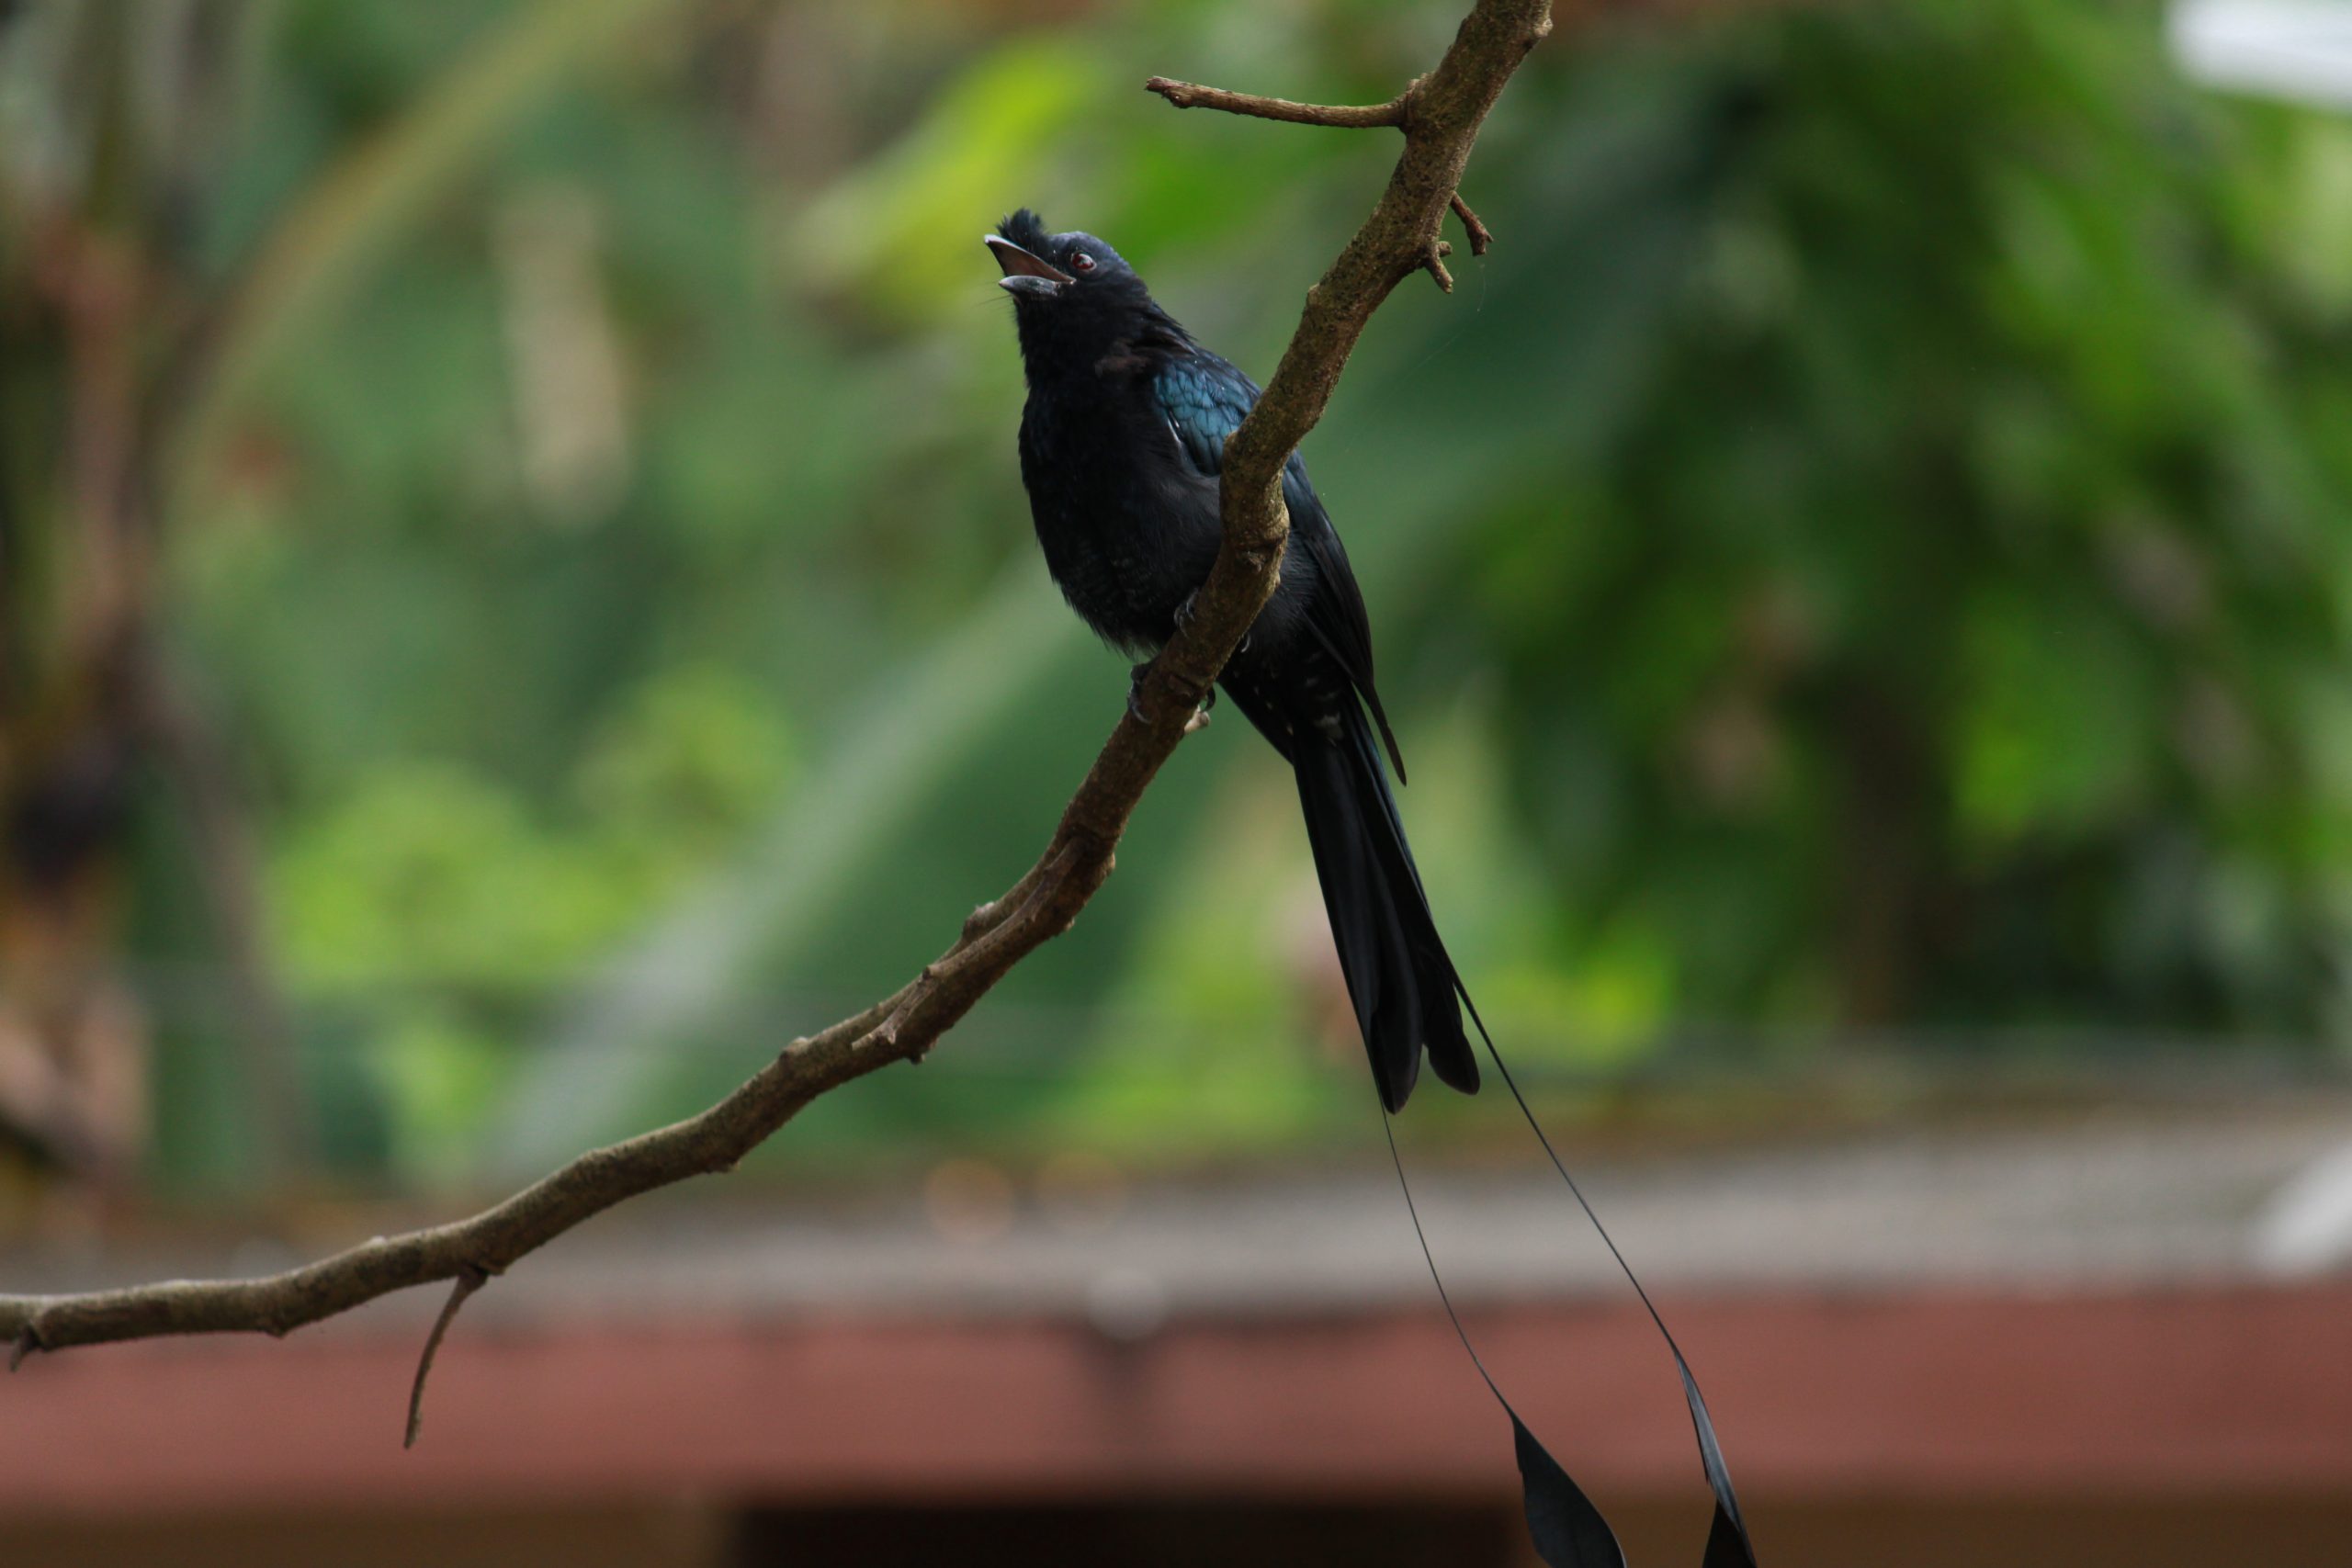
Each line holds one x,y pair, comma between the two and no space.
1441,115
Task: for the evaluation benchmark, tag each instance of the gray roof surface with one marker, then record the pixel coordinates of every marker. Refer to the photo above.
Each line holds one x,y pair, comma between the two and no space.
2116,1198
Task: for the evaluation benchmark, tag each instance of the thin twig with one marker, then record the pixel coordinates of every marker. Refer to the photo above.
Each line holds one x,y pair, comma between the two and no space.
1347,117
1398,239
1480,235
470,1280
1398,111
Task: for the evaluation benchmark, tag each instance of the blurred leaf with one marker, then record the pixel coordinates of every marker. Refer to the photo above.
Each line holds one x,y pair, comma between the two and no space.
902,233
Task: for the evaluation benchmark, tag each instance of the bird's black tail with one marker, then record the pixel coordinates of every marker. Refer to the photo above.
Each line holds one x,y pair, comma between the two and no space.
1407,999
1400,978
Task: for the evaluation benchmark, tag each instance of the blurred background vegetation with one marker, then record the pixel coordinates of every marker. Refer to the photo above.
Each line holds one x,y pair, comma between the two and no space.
516,596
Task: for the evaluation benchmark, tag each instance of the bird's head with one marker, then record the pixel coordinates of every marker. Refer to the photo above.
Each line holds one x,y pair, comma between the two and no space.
1042,268
1071,293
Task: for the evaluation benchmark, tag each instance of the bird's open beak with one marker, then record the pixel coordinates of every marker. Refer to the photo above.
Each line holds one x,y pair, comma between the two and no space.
1024,273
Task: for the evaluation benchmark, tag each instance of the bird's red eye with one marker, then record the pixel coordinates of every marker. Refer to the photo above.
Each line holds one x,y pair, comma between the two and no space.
1081,262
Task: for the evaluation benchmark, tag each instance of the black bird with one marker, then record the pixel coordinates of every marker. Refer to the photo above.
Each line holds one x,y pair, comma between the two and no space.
1121,443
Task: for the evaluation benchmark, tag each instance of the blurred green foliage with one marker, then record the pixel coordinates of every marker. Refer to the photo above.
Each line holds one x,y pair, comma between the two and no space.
1951,629
1868,548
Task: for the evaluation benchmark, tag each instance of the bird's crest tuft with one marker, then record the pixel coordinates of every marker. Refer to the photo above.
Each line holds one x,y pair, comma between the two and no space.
1026,230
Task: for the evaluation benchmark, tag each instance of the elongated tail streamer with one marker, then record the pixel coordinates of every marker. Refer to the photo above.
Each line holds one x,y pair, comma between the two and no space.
1568,1529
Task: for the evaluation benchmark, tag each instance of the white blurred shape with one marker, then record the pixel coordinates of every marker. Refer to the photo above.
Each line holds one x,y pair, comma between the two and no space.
2298,49
2306,1227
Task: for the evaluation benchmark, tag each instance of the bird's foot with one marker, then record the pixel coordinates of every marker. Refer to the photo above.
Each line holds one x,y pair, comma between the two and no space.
1184,614
1135,677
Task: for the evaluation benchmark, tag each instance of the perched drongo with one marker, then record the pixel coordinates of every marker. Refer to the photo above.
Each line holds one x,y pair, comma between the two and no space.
1121,445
